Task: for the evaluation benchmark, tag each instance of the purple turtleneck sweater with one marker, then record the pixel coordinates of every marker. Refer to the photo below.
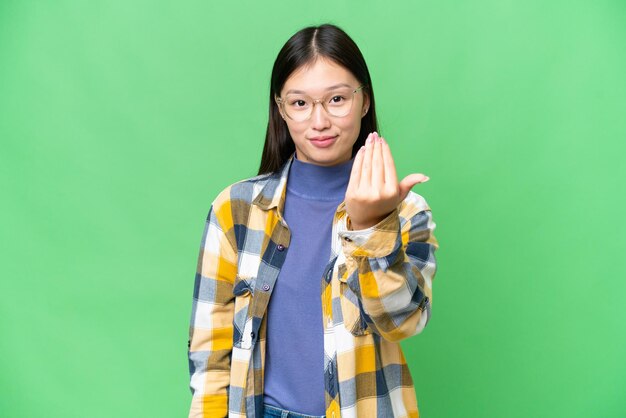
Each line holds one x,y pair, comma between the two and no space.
294,360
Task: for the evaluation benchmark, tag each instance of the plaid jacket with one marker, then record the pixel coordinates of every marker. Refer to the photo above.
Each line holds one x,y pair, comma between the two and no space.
376,291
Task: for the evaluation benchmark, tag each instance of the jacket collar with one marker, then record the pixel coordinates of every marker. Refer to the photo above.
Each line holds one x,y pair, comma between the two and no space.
272,194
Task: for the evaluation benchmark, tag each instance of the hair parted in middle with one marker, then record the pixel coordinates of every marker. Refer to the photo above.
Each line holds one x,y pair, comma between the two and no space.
302,49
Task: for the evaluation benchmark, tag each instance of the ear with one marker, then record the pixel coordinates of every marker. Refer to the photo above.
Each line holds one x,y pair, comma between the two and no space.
278,107
366,104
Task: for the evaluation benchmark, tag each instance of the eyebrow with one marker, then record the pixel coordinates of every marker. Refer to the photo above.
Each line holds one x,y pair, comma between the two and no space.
328,88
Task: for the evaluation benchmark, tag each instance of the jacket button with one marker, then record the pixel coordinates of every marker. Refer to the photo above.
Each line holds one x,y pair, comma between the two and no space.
266,287
280,247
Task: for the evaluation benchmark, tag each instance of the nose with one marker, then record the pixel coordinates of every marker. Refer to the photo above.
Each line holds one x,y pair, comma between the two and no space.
319,117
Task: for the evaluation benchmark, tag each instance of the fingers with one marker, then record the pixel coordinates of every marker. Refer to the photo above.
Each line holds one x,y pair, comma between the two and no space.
378,174
373,165
357,167
366,172
390,166
409,181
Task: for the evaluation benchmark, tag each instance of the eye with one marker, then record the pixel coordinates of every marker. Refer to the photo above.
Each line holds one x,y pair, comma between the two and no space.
337,99
298,102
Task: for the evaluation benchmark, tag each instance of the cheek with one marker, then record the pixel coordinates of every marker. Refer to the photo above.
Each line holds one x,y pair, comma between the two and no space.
295,131
351,125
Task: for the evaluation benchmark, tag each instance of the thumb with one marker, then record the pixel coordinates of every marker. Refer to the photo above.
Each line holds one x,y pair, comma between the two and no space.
409,181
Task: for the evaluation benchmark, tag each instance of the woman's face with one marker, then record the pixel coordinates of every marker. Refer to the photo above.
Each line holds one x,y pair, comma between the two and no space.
324,139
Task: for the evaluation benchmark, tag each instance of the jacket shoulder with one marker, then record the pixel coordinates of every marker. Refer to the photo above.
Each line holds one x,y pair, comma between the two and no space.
244,191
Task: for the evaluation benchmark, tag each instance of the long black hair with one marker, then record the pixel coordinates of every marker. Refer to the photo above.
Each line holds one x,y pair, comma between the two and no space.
304,47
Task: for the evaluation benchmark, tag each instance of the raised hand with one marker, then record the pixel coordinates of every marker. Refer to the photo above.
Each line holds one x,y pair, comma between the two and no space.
373,190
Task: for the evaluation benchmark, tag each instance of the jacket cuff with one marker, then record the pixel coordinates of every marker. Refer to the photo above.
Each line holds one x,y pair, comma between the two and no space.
376,241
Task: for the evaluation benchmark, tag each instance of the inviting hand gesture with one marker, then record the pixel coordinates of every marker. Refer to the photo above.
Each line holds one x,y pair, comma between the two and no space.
373,190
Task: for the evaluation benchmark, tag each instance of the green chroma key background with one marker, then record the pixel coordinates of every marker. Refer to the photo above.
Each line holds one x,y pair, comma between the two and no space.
120,121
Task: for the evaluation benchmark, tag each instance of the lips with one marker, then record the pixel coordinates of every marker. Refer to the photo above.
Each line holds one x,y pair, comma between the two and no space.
323,141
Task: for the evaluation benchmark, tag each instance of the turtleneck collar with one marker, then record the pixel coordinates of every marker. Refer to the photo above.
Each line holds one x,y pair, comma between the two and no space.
316,182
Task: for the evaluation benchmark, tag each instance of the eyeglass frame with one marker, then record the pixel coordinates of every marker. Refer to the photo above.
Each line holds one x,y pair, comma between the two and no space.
281,102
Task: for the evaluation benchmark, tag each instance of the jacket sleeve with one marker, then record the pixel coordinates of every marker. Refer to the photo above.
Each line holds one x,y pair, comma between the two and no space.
391,266
211,326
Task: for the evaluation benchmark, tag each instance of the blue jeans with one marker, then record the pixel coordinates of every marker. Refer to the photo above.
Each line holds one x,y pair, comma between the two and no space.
274,412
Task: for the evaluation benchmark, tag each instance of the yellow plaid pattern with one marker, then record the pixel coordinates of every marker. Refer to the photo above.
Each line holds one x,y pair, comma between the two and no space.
375,292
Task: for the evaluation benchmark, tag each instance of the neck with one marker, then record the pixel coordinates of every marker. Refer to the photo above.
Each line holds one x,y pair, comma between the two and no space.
311,181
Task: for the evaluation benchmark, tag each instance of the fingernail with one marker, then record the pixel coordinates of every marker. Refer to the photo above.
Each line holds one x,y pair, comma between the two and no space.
368,140
426,179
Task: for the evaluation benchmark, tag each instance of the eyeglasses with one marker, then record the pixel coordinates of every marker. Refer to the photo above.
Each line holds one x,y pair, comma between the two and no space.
337,103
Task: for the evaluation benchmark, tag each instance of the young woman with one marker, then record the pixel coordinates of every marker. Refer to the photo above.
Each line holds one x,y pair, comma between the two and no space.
311,272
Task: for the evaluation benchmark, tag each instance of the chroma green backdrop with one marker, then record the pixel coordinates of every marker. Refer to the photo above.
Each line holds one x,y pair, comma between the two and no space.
120,121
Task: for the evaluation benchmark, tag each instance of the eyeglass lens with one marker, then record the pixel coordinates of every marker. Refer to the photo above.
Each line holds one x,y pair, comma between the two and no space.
337,103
